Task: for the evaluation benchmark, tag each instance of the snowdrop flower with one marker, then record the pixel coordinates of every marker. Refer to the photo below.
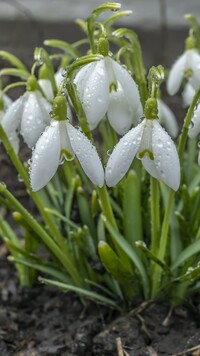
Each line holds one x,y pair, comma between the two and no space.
188,94
187,65
104,87
167,118
61,140
28,115
194,128
152,145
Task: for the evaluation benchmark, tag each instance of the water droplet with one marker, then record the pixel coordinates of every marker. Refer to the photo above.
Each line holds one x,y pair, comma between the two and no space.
191,125
159,144
109,153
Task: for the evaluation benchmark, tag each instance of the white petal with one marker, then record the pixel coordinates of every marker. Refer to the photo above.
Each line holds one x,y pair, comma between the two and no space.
12,117
11,122
65,144
87,155
195,66
176,75
35,117
188,94
46,157
167,118
123,155
118,113
47,88
7,101
59,76
131,92
194,128
92,84
165,156
150,166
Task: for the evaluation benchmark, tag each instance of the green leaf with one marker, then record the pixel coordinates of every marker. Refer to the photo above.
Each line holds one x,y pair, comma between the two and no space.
14,61
186,254
83,292
112,262
65,46
45,268
15,72
191,274
151,256
130,252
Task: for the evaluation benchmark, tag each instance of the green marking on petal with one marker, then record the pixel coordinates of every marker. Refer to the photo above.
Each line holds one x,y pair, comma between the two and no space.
113,86
144,152
188,72
66,154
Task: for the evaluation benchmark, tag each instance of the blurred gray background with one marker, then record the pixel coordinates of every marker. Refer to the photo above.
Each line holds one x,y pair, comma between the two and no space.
160,24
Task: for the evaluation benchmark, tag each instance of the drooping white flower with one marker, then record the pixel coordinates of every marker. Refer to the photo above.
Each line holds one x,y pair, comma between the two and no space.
153,146
61,140
28,115
104,87
188,64
194,128
188,94
167,118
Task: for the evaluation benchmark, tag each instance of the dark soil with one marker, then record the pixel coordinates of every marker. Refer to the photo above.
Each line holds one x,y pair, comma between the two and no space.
45,321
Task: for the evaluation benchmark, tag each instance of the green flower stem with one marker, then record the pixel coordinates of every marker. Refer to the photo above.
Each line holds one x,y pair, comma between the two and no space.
61,255
106,205
187,121
163,243
79,110
91,21
155,215
23,173
13,85
41,55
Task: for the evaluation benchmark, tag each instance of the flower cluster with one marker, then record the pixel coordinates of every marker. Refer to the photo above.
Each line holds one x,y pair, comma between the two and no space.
96,121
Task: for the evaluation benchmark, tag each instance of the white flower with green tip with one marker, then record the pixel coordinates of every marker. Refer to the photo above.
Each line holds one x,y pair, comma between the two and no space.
106,87
153,146
28,115
61,140
187,65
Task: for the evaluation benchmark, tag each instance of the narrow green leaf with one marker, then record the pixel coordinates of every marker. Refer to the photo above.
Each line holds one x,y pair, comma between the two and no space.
14,60
83,292
112,262
65,46
15,72
186,254
152,257
42,268
130,252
